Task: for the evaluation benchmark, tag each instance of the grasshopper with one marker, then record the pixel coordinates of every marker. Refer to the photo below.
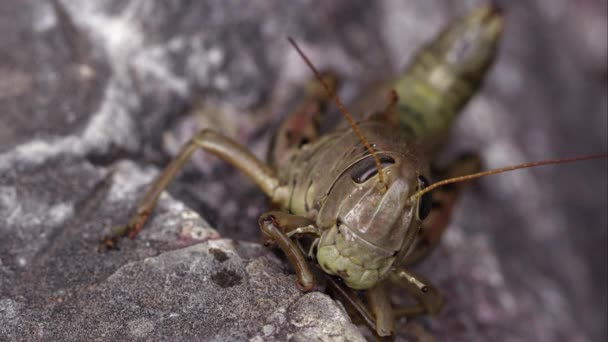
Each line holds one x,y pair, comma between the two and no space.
358,201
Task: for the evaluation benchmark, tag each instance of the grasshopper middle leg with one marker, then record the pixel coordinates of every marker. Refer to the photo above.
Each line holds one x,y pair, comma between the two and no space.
428,299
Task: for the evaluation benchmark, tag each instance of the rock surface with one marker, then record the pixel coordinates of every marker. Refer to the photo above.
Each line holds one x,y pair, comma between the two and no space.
177,282
96,96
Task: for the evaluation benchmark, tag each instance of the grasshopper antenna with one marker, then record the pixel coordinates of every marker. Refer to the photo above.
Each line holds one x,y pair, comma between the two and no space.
343,110
502,170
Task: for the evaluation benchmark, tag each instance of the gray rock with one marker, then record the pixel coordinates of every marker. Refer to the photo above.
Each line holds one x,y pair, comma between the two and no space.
96,96
177,281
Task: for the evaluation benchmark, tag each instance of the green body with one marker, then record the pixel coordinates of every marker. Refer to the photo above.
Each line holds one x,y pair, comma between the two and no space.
363,228
445,75
364,231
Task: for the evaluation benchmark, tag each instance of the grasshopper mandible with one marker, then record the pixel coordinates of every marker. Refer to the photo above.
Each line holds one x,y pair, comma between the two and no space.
360,196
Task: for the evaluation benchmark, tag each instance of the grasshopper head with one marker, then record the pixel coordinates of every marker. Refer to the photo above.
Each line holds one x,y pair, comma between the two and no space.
372,224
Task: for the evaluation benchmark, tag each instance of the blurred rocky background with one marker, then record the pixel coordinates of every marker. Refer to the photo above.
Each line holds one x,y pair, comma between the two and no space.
96,96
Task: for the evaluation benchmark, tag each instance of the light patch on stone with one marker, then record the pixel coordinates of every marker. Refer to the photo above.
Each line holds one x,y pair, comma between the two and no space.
86,72
155,62
176,44
221,82
140,327
44,17
504,153
192,229
190,215
278,317
29,211
38,151
509,78
317,316
9,309
508,302
454,238
487,269
58,213
215,56
125,43
223,244
202,61
119,34
400,24
14,214
111,124
197,66
481,119
127,180
308,317
21,261
8,200
268,330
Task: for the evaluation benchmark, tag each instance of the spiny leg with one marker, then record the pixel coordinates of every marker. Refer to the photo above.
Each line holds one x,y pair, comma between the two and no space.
215,143
351,301
356,309
377,314
381,308
278,227
444,200
428,299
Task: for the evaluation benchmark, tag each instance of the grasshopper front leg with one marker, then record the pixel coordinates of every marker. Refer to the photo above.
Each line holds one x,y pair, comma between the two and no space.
380,306
279,227
217,144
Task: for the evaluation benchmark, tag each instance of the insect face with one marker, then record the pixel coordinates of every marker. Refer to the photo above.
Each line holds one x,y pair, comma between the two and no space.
372,223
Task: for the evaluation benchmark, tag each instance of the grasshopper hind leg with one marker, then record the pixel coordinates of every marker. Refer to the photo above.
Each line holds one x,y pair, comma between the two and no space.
214,143
302,125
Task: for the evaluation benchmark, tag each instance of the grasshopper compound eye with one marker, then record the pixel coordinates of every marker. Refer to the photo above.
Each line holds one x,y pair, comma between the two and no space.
366,168
425,202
